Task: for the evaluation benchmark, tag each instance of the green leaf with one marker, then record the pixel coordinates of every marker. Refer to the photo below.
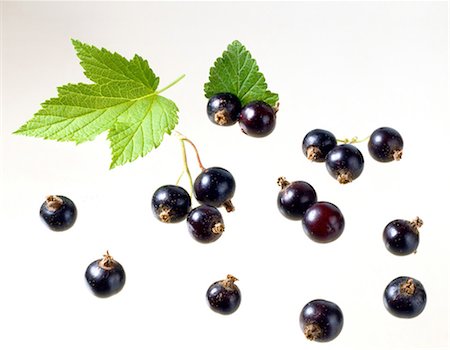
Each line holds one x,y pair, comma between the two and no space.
137,131
237,72
123,100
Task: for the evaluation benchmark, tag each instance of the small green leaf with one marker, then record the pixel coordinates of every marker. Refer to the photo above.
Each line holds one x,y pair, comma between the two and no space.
237,72
123,100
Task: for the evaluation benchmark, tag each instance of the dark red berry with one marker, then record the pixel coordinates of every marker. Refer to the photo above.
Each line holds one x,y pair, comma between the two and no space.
105,277
385,145
215,186
317,144
205,224
171,204
58,212
257,119
224,297
321,320
405,297
223,109
295,198
401,237
345,163
323,222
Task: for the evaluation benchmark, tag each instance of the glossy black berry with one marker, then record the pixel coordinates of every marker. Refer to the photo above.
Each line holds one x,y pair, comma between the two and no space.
224,297
405,297
317,144
385,145
223,109
295,198
345,163
205,224
171,204
401,237
321,320
105,277
58,212
323,222
257,119
215,186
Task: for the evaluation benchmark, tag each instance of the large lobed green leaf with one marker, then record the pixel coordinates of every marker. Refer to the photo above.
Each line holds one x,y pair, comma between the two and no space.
123,100
237,72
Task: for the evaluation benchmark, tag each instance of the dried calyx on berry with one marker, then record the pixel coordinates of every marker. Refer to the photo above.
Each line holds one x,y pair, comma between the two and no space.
58,212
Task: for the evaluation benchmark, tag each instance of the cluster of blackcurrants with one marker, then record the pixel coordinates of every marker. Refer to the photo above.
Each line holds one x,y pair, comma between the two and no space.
256,118
213,188
345,162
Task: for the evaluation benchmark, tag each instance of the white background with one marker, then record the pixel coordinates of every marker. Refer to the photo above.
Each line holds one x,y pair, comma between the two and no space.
346,67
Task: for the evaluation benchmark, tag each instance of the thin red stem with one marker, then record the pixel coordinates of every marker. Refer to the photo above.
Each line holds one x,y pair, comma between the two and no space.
196,153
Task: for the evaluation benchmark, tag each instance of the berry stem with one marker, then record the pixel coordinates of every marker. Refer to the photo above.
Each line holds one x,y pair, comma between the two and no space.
353,140
170,85
184,138
196,153
180,177
186,166
229,207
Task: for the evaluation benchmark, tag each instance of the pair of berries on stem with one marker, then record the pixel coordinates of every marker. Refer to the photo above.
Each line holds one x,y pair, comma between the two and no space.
213,188
256,119
345,162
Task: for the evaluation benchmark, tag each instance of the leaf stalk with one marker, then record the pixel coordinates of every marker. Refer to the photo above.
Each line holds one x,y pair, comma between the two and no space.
170,85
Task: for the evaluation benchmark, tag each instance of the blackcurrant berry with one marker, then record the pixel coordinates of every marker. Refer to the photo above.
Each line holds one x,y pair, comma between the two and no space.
171,204
401,237
405,297
58,212
345,163
215,186
295,198
321,320
257,119
323,222
224,297
205,224
385,145
317,143
105,277
223,109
